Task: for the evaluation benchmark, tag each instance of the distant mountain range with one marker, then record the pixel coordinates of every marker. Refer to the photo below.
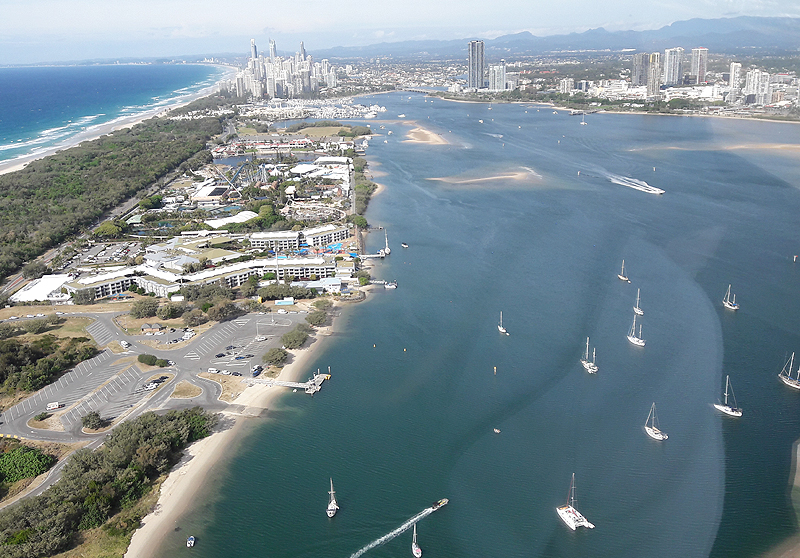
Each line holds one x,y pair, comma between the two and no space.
756,35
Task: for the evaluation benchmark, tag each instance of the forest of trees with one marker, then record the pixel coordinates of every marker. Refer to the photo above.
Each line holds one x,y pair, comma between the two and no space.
94,485
56,197
32,365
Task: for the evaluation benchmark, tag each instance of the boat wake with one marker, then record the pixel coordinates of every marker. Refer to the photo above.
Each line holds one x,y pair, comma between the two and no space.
389,536
634,183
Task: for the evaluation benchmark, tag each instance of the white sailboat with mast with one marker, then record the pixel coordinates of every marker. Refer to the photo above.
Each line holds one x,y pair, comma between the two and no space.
724,407
729,303
636,309
651,426
632,337
589,365
415,549
332,505
386,250
622,275
500,327
786,374
568,514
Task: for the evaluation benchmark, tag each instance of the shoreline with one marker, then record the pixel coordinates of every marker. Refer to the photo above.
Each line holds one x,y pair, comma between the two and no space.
790,547
176,497
99,130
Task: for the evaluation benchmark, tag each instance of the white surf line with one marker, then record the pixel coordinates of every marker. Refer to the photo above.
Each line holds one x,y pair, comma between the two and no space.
389,536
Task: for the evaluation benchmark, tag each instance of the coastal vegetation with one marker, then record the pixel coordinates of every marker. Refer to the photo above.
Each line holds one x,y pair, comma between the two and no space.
56,197
30,364
101,488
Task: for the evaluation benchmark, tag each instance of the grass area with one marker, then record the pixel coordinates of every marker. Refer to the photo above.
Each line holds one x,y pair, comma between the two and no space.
320,132
112,539
133,326
186,390
73,327
244,131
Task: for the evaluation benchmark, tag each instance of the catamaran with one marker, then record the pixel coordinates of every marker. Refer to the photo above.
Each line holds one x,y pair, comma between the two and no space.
636,308
500,327
651,426
729,303
786,374
332,505
632,337
589,365
415,549
622,275
724,407
569,514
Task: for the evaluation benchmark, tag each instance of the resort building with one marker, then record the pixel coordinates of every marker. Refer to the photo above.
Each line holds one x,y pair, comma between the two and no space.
325,234
277,241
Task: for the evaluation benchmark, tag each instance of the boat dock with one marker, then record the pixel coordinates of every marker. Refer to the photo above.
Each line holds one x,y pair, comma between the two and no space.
312,386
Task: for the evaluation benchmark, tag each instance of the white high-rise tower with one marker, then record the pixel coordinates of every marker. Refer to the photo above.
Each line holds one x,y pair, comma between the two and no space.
673,66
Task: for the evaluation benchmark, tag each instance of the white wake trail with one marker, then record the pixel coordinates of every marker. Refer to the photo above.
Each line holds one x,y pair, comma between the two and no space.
389,536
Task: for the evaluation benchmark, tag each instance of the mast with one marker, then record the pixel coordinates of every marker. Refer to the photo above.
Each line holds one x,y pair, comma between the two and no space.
587,349
594,352
727,381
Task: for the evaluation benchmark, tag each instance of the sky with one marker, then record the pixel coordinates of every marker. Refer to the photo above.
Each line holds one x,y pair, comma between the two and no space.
36,31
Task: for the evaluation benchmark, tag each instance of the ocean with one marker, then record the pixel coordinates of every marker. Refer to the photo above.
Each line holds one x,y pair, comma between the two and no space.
44,106
525,213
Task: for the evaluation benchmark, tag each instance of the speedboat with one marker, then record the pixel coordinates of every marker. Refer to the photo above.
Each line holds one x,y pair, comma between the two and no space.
439,504
190,542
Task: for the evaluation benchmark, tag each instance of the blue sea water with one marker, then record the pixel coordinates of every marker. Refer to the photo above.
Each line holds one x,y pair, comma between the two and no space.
500,219
43,106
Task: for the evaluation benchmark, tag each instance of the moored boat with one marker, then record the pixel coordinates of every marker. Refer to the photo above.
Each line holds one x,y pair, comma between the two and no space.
569,515
439,504
729,303
589,365
636,308
500,327
724,407
633,337
190,542
622,275
786,374
332,505
651,426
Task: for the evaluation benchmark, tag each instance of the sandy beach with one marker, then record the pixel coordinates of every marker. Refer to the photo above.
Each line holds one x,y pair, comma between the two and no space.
94,132
178,490
421,135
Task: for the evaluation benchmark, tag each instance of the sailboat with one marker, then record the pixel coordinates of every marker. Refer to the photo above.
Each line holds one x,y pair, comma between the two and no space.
386,250
583,119
622,275
651,426
636,308
569,514
638,341
332,505
589,365
415,549
729,303
500,327
724,407
786,374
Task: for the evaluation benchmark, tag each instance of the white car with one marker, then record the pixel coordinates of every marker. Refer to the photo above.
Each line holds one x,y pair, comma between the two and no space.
225,372
150,387
282,311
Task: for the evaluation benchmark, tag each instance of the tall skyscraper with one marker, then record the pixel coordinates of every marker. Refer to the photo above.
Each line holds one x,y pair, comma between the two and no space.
477,65
673,66
699,63
734,79
272,51
641,61
757,88
654,76
253,49
302,51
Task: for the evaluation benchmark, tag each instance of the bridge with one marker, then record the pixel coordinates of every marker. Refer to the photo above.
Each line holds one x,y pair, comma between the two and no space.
312,386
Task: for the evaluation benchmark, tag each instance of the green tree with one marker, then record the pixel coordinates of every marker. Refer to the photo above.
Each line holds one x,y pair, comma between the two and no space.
110,229
92,420
223,311
323,304
294,339
194,318
149,360
363,281
144,308
275,356
34,270
84,296
171,310
317,318
35,326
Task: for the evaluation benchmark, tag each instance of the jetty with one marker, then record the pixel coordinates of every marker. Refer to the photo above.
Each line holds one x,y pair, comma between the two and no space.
312,386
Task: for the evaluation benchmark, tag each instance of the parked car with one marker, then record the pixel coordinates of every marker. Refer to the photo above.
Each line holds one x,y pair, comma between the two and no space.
219,355
212,371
